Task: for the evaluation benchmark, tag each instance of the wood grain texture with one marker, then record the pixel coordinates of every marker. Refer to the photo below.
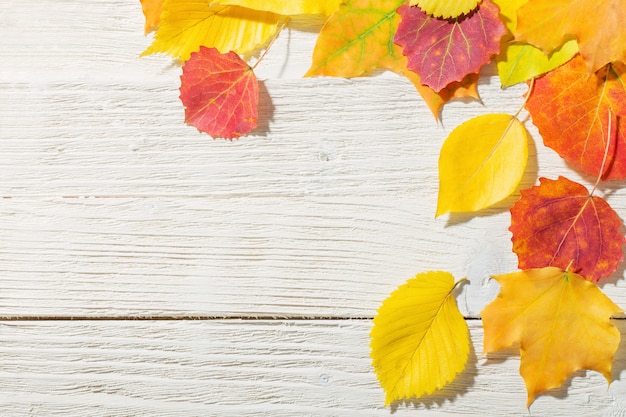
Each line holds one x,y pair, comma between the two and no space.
110,207
254,368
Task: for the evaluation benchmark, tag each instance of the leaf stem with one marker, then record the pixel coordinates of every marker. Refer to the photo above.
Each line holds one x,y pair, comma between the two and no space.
269,45
528,93
606,153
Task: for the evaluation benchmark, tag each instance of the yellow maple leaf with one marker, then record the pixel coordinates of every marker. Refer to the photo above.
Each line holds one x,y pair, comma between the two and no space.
481,162
152,12
420,340
188,24
446,9
598,27
287,7
561,322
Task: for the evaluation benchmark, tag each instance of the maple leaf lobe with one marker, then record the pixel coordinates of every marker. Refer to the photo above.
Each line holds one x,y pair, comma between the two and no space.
220,93
444,51
557,223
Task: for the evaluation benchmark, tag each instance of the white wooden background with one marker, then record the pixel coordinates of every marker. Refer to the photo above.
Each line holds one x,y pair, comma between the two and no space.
148,270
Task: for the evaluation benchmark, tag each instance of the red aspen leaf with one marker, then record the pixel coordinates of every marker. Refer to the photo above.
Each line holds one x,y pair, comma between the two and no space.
597,26
152,12
561,322
444,51
358,38
570,107
557,223
220,93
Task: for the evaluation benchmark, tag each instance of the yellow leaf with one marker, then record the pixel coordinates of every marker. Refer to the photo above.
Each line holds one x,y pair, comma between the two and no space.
420,340
152,12
561,322
508,12
188,24
446,8
287,7
521,62
481,162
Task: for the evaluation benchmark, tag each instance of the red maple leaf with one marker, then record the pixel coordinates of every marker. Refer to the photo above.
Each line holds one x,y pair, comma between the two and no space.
571,107
220,93
558,222
442,51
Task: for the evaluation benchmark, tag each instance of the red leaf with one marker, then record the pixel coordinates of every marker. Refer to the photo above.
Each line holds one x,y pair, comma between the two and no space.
220,93
558,222
570,107
442,51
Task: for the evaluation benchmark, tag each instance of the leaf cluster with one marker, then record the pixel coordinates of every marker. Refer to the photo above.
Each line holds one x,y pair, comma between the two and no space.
572,55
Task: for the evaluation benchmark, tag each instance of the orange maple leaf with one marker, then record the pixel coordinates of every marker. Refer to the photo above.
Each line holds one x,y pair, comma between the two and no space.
358,38
557,223
561,322
599,28
152,12
571,109
220,93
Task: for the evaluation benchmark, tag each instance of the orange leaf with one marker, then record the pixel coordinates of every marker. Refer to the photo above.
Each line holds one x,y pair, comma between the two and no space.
571,109
561,322
558,223
152,12
220,93
442,51
358,38
597,26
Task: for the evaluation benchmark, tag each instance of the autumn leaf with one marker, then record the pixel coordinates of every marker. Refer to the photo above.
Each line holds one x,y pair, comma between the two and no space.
445,8
358,38
557,223
443,51
481,162
518,61
152,12
561,322
420,340
188,24
220,93
598,27
287,7
570,107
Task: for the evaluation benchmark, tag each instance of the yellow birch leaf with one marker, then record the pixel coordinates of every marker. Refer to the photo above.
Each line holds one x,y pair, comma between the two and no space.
188,24
446,9
419,341
561,322
287,7
520,62
481,162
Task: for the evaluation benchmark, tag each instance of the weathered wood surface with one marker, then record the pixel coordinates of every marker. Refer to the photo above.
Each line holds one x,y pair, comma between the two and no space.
110,207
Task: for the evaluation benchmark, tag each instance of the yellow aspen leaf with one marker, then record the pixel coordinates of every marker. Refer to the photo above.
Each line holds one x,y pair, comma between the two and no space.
561,322
152,12
188,24
420,340
445,9
287,7
481,162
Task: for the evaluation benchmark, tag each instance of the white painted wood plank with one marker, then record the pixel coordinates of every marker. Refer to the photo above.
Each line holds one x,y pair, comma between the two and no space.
238,256
253,368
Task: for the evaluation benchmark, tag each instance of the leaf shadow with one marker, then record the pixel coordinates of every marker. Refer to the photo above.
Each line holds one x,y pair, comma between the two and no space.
528,180
457,388
619,360
265,112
